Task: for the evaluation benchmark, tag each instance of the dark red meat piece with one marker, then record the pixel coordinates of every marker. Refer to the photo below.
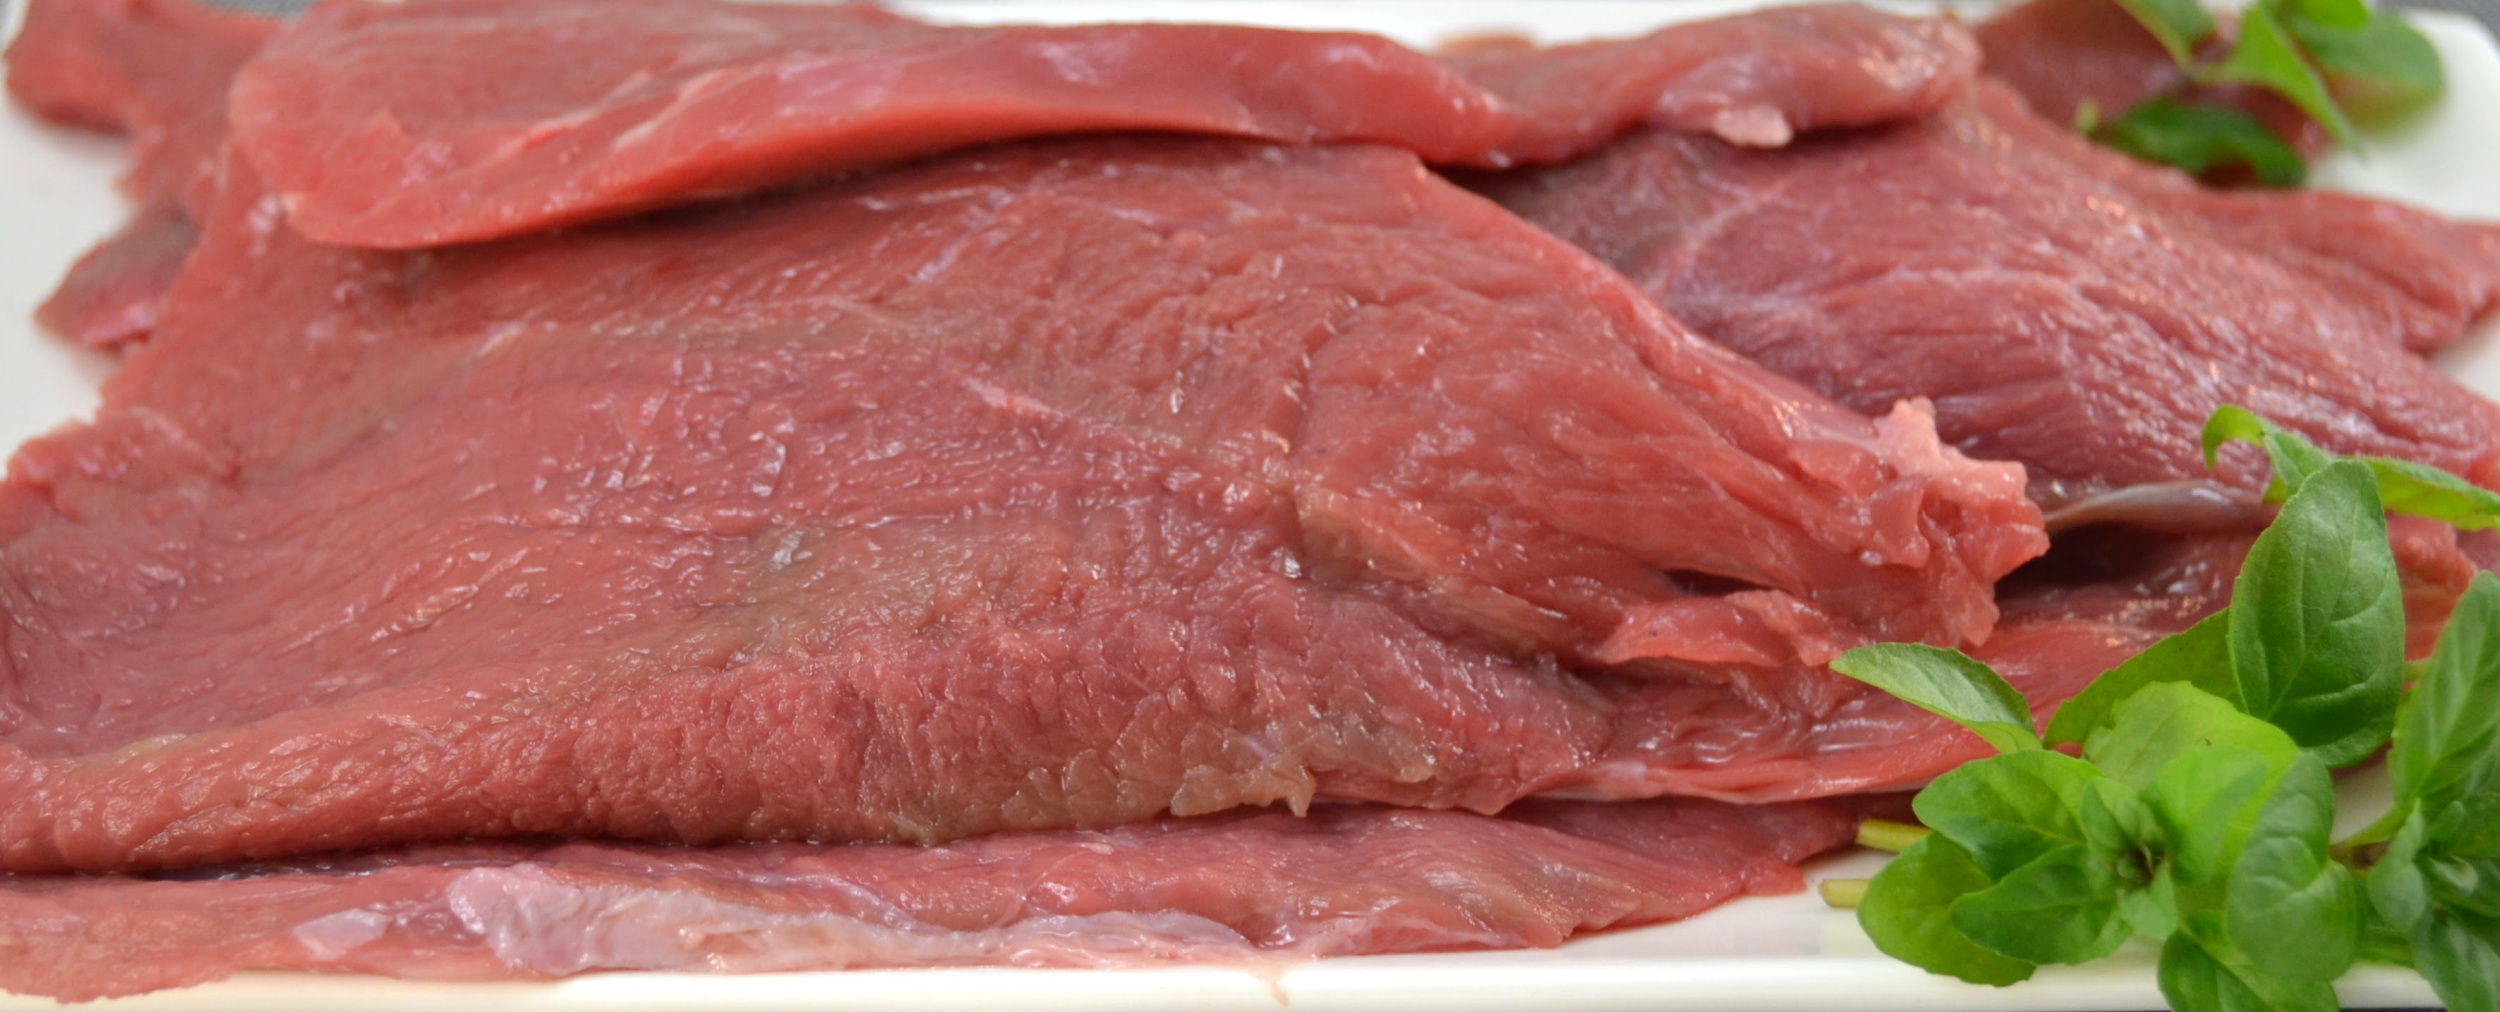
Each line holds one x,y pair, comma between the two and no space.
1262,888
438,121
2062,54
1055,486
156,71
2063,306
113,293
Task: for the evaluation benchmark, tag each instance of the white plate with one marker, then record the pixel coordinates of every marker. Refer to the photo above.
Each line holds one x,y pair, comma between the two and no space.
1760,954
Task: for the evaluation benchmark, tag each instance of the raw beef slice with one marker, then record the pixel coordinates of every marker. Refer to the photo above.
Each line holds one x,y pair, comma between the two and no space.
1059,486
439,121
2067,56
155,71
2063,306
1244,890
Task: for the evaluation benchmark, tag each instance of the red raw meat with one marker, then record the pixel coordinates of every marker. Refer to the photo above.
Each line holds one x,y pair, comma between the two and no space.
2062,54
111,296
439,121
1697,739
2063,306
2101,595
1045,487
156,71
1241,890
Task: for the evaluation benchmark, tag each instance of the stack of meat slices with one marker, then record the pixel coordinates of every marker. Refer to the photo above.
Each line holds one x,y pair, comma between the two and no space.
659,484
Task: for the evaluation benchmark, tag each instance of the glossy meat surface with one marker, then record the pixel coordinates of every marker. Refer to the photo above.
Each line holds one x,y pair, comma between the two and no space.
1242,890
437,121
2067,56
2063,306
154,71
1054,486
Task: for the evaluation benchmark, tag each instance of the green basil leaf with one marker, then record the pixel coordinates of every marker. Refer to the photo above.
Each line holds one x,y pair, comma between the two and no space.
2376,67
2008,810
2403,486
2164,720
2294,911
2460,956
2466,884
2424,491
2470,827
2450,729
2294,457
2199,655
1949,684
2317,623
1906,911
2061,908
2179,24
2382,942
2266,57
2396,886
2203,139
2195,979
2458,861
2330,13
2118,825
2153,911
2207,798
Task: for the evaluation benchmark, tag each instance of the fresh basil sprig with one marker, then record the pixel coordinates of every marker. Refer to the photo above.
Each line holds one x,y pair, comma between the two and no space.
2266,56
2439,878
2197,811
1949,684
2203,139
2317,625
2405,487
2332,59
2179,24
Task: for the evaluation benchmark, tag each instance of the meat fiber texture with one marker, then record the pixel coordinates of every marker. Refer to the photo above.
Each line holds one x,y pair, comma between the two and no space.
913,508
442,121
2068,309
2062,306
2069,56
155,71
1243,890
1039,486
1054,486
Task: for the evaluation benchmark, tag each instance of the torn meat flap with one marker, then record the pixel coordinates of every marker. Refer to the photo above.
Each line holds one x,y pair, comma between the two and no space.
1056,485
441,121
